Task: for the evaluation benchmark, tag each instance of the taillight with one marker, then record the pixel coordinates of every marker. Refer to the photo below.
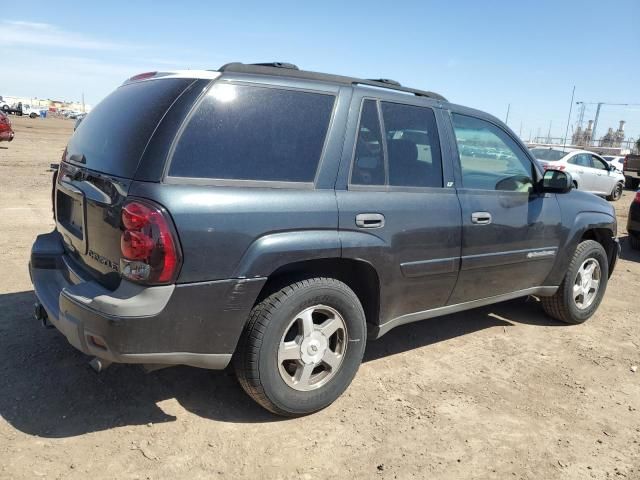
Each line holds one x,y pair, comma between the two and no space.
149,245
637,197
547,166
624,164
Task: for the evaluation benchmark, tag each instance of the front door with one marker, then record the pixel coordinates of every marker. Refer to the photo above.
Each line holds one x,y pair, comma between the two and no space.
510,233
580,164
394,212
604,181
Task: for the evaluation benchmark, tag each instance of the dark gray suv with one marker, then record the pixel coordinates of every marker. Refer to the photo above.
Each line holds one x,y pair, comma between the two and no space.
279,218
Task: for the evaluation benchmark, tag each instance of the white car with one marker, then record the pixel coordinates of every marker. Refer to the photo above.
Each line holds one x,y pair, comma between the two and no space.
616,161
590,172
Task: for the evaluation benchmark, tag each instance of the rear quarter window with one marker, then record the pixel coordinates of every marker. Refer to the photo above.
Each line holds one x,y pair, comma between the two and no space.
114,135
241,132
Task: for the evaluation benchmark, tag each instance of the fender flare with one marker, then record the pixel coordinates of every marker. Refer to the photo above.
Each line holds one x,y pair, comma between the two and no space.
583,222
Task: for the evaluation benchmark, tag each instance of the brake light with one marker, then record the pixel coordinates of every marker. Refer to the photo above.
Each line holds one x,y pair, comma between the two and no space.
547,166
624,165
149,245
142,76
637,197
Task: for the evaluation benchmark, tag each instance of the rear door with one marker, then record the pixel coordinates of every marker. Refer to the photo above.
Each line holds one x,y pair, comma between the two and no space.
510,233
395,211
580,163
98,166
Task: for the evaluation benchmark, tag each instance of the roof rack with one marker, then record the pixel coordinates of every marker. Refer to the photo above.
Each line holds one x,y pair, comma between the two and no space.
291,70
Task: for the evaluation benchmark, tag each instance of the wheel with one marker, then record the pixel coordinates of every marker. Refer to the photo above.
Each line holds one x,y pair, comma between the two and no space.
616,193
302,346
33,115
583,286
634,240
5,108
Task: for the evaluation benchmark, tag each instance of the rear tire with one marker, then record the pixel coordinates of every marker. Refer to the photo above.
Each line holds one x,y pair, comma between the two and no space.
616,194
576,299
290,359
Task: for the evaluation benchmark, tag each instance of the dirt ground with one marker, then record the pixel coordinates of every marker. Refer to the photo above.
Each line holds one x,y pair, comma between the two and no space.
498,392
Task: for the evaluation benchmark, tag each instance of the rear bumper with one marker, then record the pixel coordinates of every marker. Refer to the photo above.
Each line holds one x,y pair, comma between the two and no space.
195,324
6,136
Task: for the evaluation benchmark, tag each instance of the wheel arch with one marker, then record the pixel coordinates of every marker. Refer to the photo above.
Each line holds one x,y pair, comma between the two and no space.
358,275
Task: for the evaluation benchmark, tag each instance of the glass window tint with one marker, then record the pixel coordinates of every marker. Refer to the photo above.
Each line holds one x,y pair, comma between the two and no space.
368,163
581,159
412,145
489,158
254,133
597,163
114,134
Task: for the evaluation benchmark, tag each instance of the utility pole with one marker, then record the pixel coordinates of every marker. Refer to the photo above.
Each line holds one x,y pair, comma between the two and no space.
595,123
506,120
566,132
549,132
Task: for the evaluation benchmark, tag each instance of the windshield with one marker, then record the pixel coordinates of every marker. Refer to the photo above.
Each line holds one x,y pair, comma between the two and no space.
548,154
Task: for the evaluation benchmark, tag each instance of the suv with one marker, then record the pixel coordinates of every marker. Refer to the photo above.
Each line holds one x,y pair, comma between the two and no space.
278,218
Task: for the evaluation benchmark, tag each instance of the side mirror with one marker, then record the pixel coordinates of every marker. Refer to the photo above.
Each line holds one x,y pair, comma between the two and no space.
557,181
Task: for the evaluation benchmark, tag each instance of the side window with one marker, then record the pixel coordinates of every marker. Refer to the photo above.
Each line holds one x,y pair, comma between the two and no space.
412,145
242,132
489,158
597,163
368,162
581,159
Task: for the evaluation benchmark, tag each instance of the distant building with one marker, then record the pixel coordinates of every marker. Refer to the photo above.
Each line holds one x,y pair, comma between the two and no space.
583,137
613,139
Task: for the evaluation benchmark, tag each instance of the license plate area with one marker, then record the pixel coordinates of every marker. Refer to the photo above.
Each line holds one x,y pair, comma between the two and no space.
71,216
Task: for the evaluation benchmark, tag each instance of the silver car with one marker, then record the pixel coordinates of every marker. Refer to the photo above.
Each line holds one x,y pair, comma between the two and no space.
590,172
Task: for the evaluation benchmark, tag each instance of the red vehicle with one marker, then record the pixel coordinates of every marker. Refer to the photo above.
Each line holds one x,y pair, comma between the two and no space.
6,132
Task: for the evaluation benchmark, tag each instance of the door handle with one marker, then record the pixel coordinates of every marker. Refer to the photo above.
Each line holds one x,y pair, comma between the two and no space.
370,220
481,218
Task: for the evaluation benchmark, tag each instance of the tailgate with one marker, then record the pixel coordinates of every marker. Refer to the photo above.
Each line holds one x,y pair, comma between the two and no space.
88,207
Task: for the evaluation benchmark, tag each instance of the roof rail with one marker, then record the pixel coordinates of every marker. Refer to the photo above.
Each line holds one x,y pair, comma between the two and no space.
388,81
291,70
236,65
396,86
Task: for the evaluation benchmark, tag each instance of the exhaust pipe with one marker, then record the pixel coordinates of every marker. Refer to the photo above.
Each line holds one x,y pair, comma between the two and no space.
40,314
99,365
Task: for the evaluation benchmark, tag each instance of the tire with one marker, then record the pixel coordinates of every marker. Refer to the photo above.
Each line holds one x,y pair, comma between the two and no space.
616,194
276,321
563,305
634,240
5,108
33,115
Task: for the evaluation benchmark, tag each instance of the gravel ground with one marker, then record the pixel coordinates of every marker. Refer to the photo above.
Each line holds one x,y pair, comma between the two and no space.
497,392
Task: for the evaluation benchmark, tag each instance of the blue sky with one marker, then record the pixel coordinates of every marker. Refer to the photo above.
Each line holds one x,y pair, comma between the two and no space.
481,54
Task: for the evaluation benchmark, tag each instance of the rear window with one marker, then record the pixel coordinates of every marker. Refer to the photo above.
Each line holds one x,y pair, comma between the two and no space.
114,135
242,132
548,154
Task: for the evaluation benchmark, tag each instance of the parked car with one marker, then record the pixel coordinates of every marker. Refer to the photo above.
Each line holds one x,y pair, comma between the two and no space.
590,172
615,160
6,132
279,218
30,111
633,222
632,171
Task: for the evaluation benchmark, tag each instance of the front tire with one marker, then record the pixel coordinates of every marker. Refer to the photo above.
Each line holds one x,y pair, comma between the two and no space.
616,194
583,286
302,346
